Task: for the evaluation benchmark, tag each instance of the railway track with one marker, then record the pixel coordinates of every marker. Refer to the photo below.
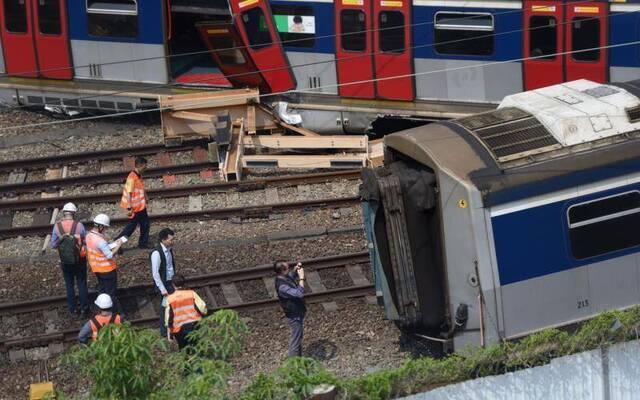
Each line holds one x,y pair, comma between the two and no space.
26,176
221,290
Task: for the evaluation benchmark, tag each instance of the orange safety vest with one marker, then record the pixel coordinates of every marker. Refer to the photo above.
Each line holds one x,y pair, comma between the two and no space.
183,306
66,226
99,321
138,200
96,258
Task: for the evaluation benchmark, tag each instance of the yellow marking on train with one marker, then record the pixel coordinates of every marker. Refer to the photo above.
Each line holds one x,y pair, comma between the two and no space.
462,203
246,3
387,3
536,8
217,31
352,2
586,10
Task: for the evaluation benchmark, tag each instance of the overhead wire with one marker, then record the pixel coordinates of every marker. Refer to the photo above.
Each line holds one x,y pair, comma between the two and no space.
363,55
336,85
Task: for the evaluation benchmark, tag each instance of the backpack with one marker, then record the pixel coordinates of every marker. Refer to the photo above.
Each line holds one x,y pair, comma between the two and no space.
68,248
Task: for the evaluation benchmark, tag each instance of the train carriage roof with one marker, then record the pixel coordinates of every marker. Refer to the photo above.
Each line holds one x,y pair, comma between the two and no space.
536,142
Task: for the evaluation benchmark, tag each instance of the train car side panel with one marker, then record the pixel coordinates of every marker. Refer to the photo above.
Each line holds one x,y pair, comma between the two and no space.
624,28
104,36
452,49
550,286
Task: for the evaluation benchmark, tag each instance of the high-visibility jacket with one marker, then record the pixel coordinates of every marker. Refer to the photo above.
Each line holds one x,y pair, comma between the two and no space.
138,200
98,262
66,226
183,309
99,321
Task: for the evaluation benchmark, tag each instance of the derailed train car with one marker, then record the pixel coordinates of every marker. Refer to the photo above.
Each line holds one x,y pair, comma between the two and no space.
503,223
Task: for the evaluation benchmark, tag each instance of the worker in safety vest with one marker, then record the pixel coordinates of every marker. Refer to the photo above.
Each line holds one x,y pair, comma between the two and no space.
101,258
184,309
106,316
68,237
134,200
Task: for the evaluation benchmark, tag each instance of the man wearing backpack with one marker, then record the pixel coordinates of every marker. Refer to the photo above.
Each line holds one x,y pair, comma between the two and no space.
68,237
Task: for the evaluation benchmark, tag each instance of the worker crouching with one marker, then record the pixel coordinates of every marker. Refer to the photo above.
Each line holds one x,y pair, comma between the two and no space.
105,316
184,309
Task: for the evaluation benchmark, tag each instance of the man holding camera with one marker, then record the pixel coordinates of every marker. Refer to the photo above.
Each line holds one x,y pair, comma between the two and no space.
290,288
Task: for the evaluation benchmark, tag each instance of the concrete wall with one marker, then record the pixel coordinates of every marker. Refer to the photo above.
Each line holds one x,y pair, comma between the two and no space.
606,374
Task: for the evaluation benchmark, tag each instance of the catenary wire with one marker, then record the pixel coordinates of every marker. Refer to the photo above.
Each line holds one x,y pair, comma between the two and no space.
364,55
635,42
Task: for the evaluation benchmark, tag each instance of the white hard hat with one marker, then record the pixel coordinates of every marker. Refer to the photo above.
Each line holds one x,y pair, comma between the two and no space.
69,207
102,219
104,301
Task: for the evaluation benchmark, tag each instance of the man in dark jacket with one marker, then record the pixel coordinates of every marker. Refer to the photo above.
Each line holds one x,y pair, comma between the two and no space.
163,268
290,288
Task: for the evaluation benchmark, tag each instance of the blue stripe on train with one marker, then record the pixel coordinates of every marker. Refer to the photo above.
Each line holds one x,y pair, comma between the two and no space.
542,246
624,28
150,23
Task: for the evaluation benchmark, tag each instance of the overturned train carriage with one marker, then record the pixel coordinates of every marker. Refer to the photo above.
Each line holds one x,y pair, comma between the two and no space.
496,225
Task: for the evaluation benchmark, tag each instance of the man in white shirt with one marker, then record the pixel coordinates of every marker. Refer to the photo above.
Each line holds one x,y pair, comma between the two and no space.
163,269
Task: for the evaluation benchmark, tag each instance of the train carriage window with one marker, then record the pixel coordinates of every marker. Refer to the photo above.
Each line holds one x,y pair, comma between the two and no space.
585,34
604,225
49,21
15,16
392,32
467,34
543,37
256,27
296,25
232,55
113,18
353,35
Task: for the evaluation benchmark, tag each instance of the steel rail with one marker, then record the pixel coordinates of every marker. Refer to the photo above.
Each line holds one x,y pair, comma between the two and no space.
193,282
39,162
185,190
71,335
106,177
218,213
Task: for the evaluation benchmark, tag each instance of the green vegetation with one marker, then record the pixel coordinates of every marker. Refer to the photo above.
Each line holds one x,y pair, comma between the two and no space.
131,364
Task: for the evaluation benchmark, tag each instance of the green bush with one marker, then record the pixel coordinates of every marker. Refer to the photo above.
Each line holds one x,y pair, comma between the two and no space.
121,363
219,336
537,349
263,387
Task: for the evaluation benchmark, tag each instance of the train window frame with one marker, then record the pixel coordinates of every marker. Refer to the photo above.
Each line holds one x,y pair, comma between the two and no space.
598,51
253,44
543,57
25,19
289,39
59,20
105,12
572,226
391,29
345,35
440,26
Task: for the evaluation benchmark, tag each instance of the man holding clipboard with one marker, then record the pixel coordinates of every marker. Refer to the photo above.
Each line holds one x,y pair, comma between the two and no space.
101,258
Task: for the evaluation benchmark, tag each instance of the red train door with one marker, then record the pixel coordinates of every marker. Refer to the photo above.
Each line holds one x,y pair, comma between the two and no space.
354,48
551,28
393,56
543,25
231,56
255,25
586,28
17,38
52,38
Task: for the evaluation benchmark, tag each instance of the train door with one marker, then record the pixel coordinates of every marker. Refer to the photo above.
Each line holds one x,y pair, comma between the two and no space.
255,25
552,28
354,62
17,38
35,38
231,56
586,29
52,38
393,56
